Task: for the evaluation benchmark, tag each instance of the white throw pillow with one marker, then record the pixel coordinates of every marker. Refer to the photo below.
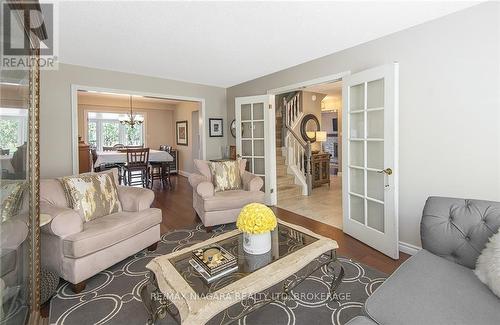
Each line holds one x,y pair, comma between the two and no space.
488,264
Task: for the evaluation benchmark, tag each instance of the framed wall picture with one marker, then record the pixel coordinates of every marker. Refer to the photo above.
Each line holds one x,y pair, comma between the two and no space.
181,132
215,127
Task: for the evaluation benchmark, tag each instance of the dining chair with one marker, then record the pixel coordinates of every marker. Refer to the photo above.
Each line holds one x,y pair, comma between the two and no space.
137,165
161,171
103,167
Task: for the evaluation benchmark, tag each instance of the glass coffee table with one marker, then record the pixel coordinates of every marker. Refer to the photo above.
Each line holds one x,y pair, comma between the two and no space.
176,288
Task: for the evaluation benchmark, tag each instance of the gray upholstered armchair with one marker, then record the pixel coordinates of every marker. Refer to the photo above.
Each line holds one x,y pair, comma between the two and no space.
437,285
216,208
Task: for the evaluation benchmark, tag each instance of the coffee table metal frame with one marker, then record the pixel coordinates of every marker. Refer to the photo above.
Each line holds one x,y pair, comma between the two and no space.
158,306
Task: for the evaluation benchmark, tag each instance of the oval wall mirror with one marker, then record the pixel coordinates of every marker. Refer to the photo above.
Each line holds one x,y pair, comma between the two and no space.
308,127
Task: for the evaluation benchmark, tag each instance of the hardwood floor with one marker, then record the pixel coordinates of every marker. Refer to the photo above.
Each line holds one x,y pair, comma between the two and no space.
177,208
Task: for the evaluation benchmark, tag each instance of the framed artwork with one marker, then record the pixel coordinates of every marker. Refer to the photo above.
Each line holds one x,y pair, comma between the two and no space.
181,132
215,127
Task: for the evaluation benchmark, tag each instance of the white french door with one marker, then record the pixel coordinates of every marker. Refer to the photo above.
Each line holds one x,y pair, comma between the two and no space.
370,157
255,134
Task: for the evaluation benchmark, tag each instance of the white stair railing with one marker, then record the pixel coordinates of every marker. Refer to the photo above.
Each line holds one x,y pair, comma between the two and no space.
293,110
298,151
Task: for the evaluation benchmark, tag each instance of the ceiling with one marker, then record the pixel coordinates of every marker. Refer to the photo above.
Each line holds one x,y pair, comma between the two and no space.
124,98
332,88
226,43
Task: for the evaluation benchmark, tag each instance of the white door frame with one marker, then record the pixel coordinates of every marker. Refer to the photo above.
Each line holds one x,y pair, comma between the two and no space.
295,87
74,114
308,83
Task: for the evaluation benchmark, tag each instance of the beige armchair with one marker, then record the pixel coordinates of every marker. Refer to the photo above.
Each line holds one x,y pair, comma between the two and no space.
216,208
78,250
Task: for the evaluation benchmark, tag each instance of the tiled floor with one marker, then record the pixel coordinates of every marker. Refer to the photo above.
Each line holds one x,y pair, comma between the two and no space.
324,205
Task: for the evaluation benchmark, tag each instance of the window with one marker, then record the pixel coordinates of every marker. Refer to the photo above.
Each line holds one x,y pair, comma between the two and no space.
13,124
105,130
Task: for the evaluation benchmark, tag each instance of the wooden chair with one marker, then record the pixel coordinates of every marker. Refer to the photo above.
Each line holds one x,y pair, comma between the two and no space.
103,167
160,171
137,165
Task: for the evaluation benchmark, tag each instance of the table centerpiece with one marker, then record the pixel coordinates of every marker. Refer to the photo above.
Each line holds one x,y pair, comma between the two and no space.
256,221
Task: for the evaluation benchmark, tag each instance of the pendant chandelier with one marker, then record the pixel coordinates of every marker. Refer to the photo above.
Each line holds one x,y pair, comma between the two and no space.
131,119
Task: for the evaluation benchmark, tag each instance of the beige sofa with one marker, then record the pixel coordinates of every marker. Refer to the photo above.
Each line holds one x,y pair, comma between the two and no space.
216,208
78,250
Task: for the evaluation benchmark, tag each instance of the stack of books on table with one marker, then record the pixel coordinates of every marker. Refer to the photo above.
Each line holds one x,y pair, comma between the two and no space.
213,262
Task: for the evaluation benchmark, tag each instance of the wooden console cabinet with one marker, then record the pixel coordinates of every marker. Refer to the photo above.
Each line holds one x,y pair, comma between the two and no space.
320,166
84,159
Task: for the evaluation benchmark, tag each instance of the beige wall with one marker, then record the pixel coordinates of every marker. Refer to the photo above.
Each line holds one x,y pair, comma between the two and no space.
449,105
334,101
55,108
183,113
159,117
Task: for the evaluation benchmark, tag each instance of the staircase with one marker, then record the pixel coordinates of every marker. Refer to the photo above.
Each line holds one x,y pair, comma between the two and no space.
287,189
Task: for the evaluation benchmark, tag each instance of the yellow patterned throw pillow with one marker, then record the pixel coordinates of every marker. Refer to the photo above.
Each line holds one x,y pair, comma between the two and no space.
11,198
92,195
226,175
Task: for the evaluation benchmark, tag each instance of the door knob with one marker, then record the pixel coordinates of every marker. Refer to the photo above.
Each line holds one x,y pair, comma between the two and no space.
386,171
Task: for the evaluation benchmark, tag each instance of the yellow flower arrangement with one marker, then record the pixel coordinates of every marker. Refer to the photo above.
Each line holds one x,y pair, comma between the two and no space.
256,218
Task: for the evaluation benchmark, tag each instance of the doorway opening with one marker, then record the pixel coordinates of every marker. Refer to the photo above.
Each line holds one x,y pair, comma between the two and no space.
168,123
312,113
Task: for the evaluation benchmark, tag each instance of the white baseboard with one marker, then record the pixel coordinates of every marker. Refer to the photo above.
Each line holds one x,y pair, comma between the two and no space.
183,173
408,248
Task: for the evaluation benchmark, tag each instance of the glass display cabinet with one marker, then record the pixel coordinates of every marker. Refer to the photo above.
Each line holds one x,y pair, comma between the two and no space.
19,179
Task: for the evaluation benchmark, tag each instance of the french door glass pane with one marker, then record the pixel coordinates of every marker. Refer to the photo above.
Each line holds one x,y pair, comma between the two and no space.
375,154
375,96
246,130
357,100
375,185
258,148
375,218
246,147
357,125
246,112
110,132
258,129
357,154
258,111
375,125
259,166
357,181
249,166
357,208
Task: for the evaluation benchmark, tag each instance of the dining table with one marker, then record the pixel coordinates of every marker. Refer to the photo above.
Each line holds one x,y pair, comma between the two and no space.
120,157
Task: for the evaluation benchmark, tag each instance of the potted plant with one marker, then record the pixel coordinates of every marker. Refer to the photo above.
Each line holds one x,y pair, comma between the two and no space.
256,221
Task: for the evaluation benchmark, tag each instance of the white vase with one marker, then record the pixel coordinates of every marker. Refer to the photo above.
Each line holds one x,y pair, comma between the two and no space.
257,243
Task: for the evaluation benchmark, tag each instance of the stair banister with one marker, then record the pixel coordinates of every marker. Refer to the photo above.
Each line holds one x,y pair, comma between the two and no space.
299,147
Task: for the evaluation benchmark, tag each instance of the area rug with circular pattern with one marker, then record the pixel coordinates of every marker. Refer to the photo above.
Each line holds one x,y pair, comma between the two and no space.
113,296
